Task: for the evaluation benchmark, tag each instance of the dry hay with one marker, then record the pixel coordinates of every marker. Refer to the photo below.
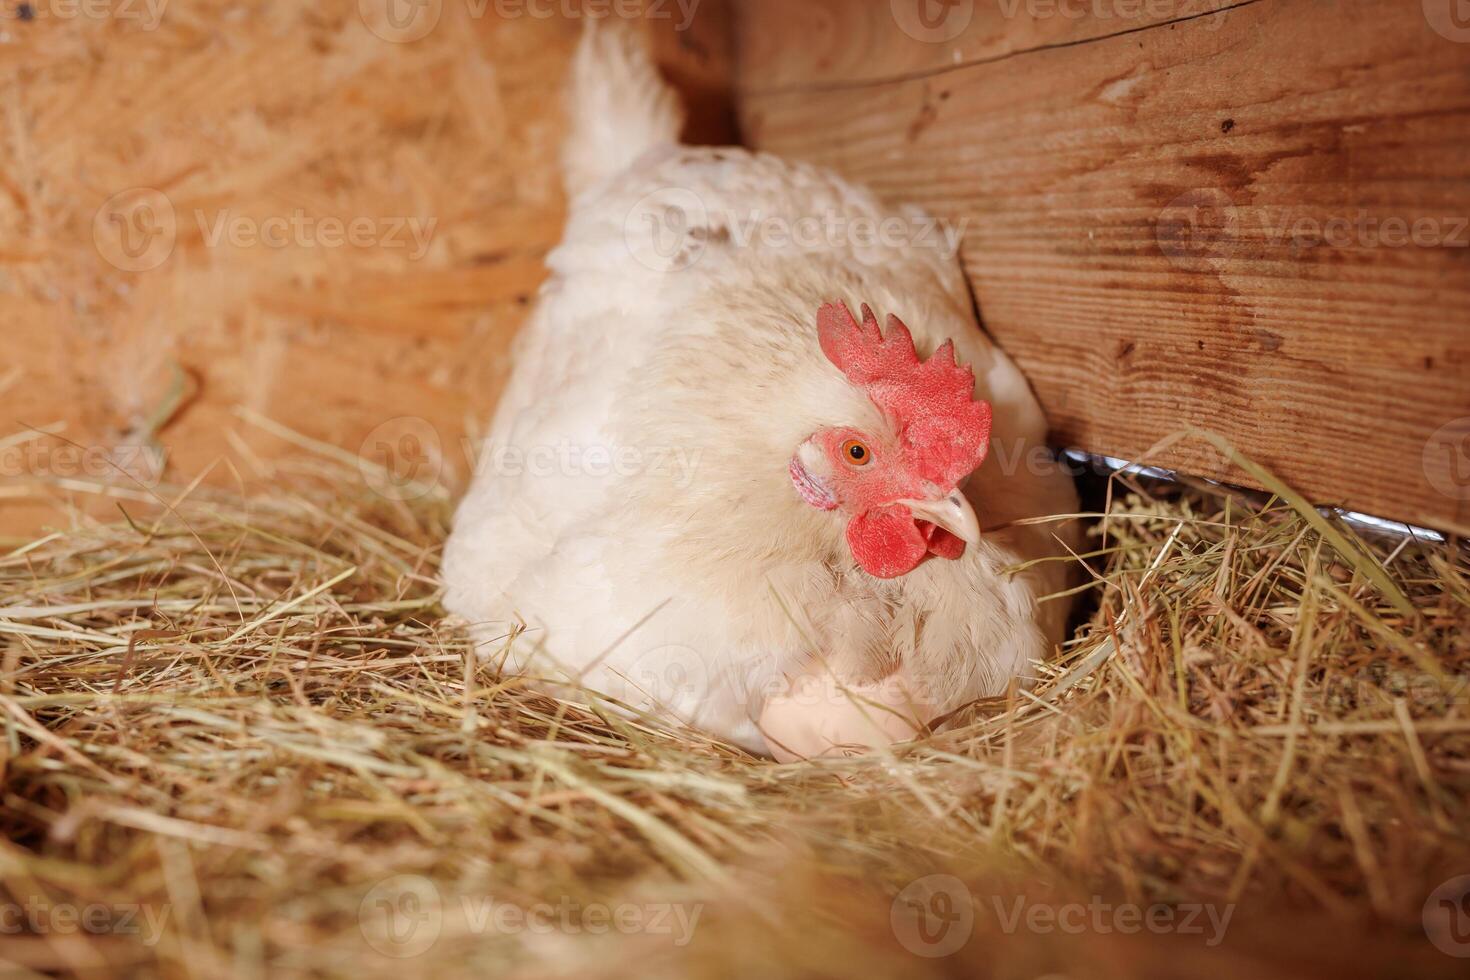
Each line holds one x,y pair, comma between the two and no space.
249,714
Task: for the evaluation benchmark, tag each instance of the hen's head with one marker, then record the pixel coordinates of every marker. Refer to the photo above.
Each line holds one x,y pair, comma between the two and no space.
897,488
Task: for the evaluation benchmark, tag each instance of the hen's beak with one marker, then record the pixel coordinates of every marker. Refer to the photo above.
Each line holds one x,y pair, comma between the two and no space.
953,513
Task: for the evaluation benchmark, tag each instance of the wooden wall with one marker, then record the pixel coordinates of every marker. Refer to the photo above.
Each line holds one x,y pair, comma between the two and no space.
1144,185
1247,217
198,135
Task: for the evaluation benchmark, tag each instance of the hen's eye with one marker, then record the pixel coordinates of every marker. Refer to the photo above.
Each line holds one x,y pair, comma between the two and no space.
856,453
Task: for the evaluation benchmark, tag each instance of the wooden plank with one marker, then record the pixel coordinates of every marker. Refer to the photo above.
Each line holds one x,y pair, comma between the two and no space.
839,42
1252,221
300,114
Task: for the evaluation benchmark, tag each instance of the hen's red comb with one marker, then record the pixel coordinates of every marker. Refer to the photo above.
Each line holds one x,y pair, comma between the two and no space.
945,431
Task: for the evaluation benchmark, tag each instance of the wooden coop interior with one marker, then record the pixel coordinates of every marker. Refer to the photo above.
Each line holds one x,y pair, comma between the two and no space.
1245,218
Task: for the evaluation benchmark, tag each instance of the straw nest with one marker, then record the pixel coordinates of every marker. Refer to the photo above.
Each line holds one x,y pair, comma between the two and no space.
243,729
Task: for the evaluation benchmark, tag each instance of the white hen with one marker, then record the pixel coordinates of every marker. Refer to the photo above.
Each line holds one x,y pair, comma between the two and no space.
698,504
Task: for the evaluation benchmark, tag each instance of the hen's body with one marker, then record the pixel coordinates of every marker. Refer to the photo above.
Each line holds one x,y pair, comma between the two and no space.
633,504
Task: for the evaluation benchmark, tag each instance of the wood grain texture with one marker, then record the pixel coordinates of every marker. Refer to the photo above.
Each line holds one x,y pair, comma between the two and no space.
244,116
1251,221
257,113
839,43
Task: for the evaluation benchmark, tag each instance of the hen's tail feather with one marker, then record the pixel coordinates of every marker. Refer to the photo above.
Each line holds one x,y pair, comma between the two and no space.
618,106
